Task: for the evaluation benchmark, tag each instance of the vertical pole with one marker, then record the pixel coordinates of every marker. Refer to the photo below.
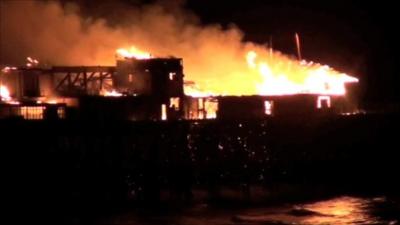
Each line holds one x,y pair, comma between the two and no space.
298,46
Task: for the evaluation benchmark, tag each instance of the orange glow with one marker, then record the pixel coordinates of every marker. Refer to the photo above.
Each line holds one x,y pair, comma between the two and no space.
163,112
204,108
211,108
214,55
284,76
133,52
273,74
259,72
112,93
193,90
8,69
4,93
344,210
53,101
45,100
268,107
31,62
5,96
32,112
13,102
174,103
327,99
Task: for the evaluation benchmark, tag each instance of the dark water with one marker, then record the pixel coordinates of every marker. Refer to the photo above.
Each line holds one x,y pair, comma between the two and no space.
86,172
337,210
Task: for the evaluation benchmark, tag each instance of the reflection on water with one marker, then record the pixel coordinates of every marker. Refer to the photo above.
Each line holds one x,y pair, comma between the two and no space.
336,211
344,210
341,210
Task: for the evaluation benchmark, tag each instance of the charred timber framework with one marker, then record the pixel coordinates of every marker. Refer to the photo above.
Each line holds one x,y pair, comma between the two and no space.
77,80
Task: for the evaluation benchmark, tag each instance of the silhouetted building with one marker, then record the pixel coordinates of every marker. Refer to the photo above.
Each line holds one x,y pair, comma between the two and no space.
145,89
160,80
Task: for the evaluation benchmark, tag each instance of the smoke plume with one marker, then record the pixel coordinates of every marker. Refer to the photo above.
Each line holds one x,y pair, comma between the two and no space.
57,34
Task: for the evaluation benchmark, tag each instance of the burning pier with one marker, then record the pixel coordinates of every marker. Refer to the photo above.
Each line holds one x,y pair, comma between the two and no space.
141,87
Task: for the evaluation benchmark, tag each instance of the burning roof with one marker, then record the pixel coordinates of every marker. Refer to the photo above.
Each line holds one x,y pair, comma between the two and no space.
275,74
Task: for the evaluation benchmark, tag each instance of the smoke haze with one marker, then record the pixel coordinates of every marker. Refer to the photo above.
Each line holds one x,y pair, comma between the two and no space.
57,34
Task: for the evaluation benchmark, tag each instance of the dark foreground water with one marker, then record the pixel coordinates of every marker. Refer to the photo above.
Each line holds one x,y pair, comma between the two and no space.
275,171
336,210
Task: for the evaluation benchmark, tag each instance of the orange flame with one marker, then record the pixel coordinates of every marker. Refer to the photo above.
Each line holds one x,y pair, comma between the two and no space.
286,77
4,93
133,52
271,75
265,74
112,93
195,91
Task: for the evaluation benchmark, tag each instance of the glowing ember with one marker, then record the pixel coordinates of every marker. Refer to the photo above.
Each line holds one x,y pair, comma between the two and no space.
133,52
8,69
13,102
49,100
31,62
4,93
53,102
282,76
112,93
